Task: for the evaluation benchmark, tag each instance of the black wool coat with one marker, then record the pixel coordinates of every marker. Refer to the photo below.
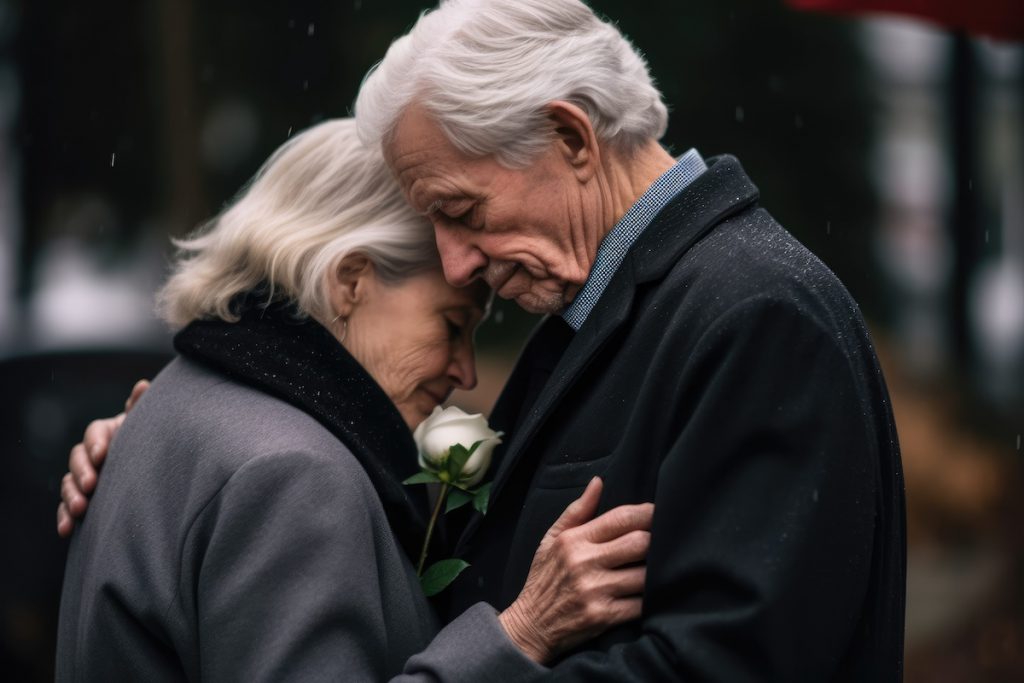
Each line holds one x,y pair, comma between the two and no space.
727,376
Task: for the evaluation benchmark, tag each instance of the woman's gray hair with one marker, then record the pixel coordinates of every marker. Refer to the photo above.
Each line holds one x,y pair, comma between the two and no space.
321,196
487,69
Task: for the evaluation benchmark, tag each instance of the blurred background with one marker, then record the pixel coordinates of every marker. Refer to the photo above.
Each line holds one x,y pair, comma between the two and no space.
892,145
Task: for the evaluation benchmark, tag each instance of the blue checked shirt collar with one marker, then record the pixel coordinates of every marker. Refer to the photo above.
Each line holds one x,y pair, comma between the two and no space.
616,243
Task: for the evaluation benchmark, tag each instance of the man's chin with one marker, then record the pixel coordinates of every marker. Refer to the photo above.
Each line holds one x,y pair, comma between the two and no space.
541,305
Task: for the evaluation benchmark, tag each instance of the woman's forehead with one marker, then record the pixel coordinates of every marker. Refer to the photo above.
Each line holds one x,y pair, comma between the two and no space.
476,295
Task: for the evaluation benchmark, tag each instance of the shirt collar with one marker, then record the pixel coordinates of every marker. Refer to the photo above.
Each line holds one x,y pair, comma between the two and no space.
617,242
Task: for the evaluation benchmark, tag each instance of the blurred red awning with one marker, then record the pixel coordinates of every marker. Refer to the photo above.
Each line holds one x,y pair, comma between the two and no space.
1002,19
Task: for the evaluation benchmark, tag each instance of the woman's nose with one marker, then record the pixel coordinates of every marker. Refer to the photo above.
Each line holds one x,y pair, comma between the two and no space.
462,371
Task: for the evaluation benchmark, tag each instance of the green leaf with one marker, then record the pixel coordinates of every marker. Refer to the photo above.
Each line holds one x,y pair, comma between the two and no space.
482,497
440,574
457,499
422,478
457,457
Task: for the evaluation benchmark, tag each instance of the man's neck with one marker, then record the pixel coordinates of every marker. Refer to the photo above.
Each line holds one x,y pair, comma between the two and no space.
631,175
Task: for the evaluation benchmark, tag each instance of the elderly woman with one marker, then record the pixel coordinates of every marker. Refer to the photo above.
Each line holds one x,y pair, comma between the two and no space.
251,523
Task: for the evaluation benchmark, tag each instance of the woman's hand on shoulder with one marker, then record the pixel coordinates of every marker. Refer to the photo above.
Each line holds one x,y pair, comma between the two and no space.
586,576
84,463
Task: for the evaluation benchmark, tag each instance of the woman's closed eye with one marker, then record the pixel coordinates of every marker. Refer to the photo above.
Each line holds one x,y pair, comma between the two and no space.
462,323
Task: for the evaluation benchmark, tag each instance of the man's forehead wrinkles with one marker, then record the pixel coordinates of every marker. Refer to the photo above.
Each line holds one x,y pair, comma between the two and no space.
414,177
403,160
419,163
415,194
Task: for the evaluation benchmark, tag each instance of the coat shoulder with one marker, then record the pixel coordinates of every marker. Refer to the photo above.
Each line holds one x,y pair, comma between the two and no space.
195,429
749,258
236,422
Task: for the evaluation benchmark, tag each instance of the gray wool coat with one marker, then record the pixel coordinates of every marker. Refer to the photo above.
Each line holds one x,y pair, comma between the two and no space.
233,537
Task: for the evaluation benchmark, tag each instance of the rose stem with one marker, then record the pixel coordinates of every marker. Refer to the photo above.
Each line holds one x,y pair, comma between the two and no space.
430,527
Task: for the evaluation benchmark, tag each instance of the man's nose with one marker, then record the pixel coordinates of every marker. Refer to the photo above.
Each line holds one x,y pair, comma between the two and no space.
462,262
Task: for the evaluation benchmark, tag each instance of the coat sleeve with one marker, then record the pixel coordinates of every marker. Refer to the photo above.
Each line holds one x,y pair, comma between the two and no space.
472,648
287,585
765,509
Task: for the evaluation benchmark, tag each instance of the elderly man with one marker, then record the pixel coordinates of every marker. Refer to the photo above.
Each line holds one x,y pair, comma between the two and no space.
695,355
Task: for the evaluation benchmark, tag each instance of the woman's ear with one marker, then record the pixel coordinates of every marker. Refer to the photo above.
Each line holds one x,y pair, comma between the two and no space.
575,138
349,284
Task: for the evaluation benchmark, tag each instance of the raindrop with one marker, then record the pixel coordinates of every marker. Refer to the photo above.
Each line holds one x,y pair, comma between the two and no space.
499,316
828,227
113,157
986,237
1018,442
357,5
814,495
289,132
311,29
291,23
305,85
739,114
798,121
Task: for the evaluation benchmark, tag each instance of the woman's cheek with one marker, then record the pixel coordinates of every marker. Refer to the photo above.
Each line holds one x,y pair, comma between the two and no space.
412,366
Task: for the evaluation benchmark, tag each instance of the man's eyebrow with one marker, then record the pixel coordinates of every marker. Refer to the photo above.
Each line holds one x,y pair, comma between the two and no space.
441,202
434,207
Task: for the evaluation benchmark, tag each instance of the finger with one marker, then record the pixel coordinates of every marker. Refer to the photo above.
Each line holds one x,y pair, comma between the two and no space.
625,609
65,523
75,501
82,469
626,549
627,582
580,510
618,522
137,391
97,438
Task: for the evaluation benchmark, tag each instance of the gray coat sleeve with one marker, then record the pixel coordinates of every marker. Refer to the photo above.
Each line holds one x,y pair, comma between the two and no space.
281,568
474,647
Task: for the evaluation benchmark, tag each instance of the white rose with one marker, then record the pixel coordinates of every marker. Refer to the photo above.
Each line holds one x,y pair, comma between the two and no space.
436,435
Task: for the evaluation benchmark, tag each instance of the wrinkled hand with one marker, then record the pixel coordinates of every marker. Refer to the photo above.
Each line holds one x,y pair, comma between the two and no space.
84,463
584,577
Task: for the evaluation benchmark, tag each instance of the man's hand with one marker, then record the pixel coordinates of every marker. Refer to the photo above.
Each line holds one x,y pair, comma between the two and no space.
84,464
584,577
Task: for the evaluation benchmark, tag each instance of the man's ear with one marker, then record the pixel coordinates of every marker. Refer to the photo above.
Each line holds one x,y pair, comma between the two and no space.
575,138
349,282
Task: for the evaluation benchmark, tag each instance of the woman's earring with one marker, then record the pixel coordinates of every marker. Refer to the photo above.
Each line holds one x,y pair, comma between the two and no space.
344,330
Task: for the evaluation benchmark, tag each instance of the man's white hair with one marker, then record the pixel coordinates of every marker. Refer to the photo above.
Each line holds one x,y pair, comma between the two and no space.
321,196
487,69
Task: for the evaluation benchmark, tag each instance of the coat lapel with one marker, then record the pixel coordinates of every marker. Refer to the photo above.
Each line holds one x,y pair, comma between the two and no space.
723,190
615,306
